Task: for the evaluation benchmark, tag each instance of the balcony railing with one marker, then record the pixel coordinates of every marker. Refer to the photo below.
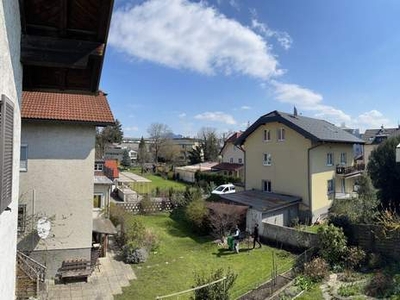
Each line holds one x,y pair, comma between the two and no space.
343,170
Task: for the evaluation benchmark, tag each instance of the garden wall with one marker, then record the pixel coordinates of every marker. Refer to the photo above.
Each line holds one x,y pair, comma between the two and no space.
288,236
375,239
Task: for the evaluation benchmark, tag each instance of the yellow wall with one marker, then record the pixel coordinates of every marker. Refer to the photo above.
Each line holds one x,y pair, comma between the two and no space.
321,173
289,172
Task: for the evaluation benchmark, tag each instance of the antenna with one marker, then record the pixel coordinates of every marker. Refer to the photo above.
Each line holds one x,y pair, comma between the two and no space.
43,227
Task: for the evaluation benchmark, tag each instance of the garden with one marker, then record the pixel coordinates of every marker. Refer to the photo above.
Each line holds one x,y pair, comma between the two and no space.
179,255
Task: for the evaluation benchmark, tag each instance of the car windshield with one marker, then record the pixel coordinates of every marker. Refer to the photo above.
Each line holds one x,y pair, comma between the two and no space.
220,188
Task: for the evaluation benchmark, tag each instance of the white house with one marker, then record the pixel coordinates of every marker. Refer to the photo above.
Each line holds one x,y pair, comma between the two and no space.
10,95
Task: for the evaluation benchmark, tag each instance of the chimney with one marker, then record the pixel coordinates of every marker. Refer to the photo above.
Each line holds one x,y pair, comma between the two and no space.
295,111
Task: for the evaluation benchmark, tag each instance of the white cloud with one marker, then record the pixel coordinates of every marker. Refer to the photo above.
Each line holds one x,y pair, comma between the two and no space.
245,107
189,35
131,129
182,115
234,4
372,119
283,38
216,117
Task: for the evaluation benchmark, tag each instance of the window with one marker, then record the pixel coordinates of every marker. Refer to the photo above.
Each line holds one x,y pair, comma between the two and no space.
6,151
343,158
267,160
23,162
267,135
98,166
330,186
329,159
231,160
266,186
281,134
21,218
240,161
97,199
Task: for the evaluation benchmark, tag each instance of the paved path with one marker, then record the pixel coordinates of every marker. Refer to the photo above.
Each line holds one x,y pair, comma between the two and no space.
101,285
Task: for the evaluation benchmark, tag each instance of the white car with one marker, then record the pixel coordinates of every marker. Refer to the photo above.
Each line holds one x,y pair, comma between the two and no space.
224,189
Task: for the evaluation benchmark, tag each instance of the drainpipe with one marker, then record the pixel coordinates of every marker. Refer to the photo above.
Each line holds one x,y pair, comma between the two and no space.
309,175
33,216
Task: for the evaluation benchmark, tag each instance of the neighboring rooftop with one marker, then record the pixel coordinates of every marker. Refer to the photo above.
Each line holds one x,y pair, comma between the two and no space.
262,201
227,166
374,136
314,129
66,107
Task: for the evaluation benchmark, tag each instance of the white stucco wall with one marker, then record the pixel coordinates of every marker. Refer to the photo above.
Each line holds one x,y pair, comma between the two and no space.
11,86
59,183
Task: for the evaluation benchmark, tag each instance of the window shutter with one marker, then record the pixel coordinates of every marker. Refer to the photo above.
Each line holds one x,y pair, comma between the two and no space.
6,151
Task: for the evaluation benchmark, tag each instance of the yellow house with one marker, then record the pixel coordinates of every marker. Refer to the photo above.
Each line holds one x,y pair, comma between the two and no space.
300,156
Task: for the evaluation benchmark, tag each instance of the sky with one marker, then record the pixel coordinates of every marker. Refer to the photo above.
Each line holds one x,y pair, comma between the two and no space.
224,63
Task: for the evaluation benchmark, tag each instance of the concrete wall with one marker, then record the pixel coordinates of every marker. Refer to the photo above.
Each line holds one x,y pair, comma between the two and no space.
231,151
288,236
288,172
11,86
321,173
58,184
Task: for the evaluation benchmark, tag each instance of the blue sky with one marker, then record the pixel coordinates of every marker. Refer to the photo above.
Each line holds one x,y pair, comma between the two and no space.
224,63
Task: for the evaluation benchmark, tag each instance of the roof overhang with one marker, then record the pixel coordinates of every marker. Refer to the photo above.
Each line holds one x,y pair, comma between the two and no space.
105,226
63,43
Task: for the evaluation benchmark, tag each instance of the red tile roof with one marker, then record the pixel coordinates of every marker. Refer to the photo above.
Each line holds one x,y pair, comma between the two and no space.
66,107
111,169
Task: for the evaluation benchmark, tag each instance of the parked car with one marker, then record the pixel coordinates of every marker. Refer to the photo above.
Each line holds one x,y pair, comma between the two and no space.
224,189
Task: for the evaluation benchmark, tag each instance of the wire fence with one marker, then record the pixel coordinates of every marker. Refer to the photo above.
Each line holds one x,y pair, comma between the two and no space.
178,294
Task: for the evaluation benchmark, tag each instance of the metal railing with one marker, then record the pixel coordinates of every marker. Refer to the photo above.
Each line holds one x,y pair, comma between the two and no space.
343,170
33,269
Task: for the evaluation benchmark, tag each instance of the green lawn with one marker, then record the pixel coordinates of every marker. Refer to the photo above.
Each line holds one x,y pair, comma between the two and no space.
314,293
181,254
156,181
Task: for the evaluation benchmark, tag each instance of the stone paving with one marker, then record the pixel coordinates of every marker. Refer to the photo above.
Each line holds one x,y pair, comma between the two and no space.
106,281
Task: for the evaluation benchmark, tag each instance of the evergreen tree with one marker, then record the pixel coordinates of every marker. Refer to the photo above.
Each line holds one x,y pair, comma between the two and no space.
385,172
126,160
143,155
195,155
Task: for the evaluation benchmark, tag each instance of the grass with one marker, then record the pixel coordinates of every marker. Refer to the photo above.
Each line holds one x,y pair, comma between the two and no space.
180,254
156,182
313,293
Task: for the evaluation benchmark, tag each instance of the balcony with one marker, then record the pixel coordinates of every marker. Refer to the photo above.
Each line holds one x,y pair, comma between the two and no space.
350,170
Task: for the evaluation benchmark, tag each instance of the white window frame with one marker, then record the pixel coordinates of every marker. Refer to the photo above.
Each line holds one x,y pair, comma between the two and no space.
281,134
101,201
23,164
267,135
97,167
330,186
266,186
343,158
267,159
329,159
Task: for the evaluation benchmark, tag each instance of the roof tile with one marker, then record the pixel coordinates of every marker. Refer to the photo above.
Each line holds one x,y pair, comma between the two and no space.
66,107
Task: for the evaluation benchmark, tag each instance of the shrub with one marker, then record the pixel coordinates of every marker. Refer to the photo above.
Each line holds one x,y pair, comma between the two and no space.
349,290
218,291
380,285
304,282
133,255
195,214
354,256
317,269
133,232
117,214
332,243
374,260
150,240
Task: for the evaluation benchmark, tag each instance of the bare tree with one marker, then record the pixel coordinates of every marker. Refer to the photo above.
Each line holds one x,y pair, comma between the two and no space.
159,133
209,143
223,217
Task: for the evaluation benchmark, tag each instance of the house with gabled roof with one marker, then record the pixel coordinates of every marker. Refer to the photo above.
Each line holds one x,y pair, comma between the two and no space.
374,137
232,158
58,138
293,155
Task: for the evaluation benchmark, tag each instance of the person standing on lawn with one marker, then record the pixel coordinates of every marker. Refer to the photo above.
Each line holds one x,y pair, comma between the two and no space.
256,236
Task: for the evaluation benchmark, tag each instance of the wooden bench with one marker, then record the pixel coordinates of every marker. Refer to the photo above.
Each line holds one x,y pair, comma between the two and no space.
77,268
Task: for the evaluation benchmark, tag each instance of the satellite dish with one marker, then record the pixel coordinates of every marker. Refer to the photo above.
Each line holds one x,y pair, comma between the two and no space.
43,227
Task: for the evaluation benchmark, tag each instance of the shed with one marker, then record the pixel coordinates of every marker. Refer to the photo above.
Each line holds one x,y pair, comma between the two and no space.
272,208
